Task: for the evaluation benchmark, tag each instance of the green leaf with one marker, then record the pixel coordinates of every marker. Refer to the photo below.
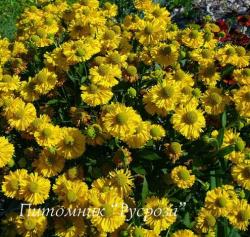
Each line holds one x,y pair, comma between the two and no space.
145,191
186,220
212,179
139,170
220,136
226,150
56,101
224,119
149,155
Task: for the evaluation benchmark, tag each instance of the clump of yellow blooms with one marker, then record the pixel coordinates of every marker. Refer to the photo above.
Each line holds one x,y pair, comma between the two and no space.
126,116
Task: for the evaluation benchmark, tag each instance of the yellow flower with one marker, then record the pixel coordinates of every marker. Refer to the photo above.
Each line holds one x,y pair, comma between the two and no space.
140,137
110,39
105,75
112,209
122,180
120,121
6,151
218,202
166,54
182,177
109,9
240,215
241,174
19,114
235,55
143,4
158,213
47,135
9,83
203,56
189,121
192,38
149,32
140,231
71,144
208,74
242,100
94,95
70,226
35,189
163,96
5,53
48,164
44,81
205,221
157,132
32,223
214,101
11,183
242,76
73,194
182,233
27,90
156,12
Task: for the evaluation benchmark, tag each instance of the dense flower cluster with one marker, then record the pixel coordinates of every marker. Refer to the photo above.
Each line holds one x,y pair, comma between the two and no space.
99,110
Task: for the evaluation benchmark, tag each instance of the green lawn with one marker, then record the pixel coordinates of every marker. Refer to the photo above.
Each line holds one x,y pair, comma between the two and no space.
10,10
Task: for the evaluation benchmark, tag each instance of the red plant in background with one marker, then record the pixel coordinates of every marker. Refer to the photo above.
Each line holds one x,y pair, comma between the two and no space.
234,35
244,20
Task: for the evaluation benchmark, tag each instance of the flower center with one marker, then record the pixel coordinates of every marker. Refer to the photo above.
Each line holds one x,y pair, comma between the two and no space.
184,175
131,70
240,51
115,59
194,34
72,172
148,30
215,98
175,147
138,233
109,35
167,91
230,51
6,78
155,132
209,71
247,172
29,224
191,117
80,52
244,215
33,187
157,13
122,118
69,141
121,179
179,75
166,50
18,114
187,90
93,88
108,210
221,202
246,72
71,196
103,70
47,132
247,96
14,184
206,53
210,220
